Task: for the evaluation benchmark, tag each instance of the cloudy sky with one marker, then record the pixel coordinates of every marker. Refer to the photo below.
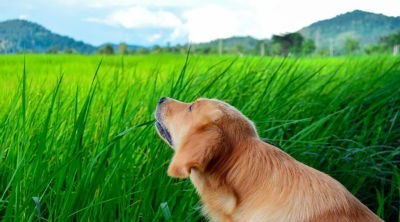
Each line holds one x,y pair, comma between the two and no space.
149,22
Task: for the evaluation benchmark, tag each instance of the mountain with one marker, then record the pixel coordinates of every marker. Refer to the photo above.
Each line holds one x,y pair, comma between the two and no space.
19,35
365,27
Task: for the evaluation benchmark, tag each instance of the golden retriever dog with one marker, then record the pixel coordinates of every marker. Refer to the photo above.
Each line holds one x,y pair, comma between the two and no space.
241,178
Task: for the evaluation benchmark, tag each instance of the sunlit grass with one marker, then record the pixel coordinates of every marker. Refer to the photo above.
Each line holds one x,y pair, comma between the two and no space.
76,132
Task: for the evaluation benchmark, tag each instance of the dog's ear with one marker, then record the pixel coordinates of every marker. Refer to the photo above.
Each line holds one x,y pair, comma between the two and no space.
196,151
215,115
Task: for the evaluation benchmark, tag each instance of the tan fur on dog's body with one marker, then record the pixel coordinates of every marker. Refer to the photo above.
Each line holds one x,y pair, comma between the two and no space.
241,178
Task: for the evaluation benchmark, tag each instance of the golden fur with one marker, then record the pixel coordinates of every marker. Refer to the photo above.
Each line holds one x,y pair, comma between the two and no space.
241,178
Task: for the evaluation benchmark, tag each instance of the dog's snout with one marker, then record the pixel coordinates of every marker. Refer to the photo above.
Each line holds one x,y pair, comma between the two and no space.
162,99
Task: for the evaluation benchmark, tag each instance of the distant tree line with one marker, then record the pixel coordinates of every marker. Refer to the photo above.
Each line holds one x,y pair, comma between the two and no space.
290,44
285,45
387,44
124,49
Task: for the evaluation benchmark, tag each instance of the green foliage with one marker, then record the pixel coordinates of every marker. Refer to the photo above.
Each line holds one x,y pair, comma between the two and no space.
392,39
77,141
123,49
308,47
323,52
376,49
142,51
385,44
275,49
69,51
351,46
107,50
290,43
53,50
206,50
262,48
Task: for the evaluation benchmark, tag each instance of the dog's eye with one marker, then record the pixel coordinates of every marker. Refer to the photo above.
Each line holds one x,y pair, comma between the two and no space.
190,108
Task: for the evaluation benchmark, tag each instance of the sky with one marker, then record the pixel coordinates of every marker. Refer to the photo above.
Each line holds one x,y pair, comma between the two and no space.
161,22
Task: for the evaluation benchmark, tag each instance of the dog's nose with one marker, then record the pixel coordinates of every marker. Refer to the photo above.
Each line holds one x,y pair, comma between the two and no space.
161,100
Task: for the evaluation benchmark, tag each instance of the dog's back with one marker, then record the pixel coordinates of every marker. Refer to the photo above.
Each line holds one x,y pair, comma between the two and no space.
283,189
262,183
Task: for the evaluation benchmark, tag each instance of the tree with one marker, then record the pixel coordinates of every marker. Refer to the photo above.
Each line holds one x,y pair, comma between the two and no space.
238,49
289,43
308,47
283,44
156,49
323,51
276,49
53,50
107,50
208,50
392,41
142,51
261,48
69,51
351,46
376,49
123,48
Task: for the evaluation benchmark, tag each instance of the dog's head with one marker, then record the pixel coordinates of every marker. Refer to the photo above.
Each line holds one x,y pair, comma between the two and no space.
200,132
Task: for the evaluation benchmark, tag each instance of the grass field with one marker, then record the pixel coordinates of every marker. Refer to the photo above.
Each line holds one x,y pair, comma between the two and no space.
77,141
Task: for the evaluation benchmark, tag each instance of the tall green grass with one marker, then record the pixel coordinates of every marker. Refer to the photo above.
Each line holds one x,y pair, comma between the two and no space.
77,141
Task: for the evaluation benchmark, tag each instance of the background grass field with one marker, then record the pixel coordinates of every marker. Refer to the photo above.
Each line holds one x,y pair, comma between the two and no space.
77,141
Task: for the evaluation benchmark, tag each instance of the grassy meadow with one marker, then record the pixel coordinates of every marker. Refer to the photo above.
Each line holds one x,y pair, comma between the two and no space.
77,139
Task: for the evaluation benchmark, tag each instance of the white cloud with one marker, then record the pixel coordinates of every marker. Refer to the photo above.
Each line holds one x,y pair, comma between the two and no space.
211,22
179,34
155,37
140,17
23,16
132,3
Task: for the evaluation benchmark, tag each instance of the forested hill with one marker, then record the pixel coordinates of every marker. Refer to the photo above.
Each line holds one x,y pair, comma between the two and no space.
19,35
365,27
